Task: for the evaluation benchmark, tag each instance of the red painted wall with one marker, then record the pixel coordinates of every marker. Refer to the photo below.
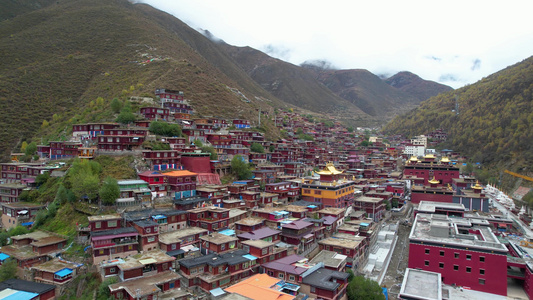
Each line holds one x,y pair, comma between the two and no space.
494,266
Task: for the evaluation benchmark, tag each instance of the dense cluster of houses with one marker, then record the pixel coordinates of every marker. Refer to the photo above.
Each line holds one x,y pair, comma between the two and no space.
179,230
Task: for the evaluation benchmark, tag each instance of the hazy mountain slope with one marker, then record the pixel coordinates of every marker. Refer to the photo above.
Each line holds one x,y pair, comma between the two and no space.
13,8
413,85
494,120
292,84
57,59
368,92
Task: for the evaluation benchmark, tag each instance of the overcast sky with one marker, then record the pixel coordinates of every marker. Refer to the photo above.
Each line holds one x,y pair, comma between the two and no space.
453,42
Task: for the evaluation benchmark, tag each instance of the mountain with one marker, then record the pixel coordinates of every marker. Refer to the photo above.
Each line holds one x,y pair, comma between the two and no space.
13,8
57,59
492,124
365,90
293,84
415,86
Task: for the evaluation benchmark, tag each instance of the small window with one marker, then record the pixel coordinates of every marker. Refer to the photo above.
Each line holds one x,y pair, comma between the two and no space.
148,230
482,258
281,275
112,270
481,271
426,263
292,278
468,269
468,257
456,268
441,252
97,225
456,255
427,251
482,281
441,265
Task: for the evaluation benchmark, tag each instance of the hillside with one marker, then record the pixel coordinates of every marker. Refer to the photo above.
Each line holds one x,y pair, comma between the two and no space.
493,124
57,59
367,91
293,84
415,86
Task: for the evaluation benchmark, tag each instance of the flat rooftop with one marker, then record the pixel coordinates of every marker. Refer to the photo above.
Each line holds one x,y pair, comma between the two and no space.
455,231
332,210
217,238
424,285
368,199
104,217
431,206
329,258
184,232
340,242
170,237
146,258
250,221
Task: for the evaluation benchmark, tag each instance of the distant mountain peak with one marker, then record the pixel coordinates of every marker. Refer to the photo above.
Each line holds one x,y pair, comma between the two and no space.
318,65
414,85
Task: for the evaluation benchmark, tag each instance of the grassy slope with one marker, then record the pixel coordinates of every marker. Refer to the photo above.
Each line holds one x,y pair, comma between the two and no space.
59,58
494,123
416,86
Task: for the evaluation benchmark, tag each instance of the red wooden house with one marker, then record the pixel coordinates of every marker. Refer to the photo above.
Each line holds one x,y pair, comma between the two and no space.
210,218
155,113
219,243
263,250
114,243
149,234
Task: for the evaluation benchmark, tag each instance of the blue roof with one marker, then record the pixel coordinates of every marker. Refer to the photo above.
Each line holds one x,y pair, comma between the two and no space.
364,224
3,256
27,224
64,272
227,232
21,295
217,292
159,217
312,206
250,257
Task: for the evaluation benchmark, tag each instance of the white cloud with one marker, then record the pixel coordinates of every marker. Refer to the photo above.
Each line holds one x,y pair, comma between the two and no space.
384,36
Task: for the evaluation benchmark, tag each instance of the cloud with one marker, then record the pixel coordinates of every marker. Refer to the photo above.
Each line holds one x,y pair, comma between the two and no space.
476,64
383,37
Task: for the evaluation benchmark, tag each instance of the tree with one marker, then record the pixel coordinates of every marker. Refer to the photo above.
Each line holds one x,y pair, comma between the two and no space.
256,147
110,191
61,195
271,148
8,269
365,143
350,129
361,288
212,152
116,105
240,167
31,149
165,129
126,116
23,146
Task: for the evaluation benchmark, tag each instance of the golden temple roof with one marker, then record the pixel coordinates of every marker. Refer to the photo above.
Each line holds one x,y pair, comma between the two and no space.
445,159
434,181
477,186
429,156
329,170
413,158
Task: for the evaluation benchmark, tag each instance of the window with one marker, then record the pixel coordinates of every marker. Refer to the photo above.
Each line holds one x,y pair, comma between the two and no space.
456,268
427,251
281,275
292,278
313,289
112,223
468,257
426,263
97,225
441,265
112,270
456,255
223,247
171,285
482,258
481,271
264,251
207,244
468,269
173,247
148,230
441,252
482,281
150,239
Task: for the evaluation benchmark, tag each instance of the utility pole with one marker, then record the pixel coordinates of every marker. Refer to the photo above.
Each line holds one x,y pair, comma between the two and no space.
259,117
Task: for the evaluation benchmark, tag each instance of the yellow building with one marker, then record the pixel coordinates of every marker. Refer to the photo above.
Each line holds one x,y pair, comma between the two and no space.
330,190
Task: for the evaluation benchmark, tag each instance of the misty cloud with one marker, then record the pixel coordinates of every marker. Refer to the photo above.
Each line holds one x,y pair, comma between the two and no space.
476,65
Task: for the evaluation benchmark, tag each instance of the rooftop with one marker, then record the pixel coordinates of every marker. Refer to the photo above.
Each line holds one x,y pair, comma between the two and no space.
430,206
27,286
250,221
332,210
117,231
368,199
259,287
54,265
185,232
418,284
322,278
146,258
214,259
341,242
300,224
170,237
293,264
145,286
25,205
104,217
258,243
217,238
258,234
329,258
464,232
